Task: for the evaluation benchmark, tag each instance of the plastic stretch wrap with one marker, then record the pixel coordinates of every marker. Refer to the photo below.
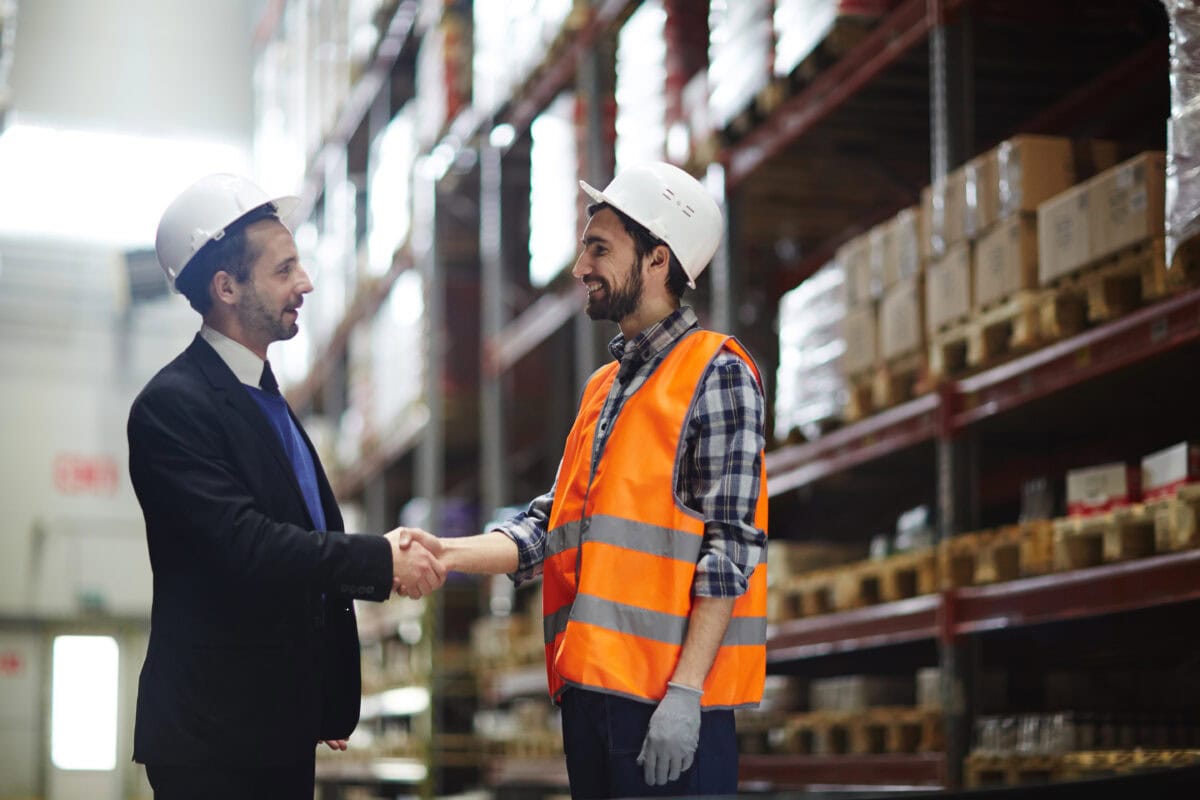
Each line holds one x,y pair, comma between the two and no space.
739,56
800,25
809,387
1183,129
642,87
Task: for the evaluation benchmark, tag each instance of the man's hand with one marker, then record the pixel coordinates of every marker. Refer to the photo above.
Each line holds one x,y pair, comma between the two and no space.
335,744
674,732
416,571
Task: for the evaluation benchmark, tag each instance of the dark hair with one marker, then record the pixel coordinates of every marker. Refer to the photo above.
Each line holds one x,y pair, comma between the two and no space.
643,242
229,254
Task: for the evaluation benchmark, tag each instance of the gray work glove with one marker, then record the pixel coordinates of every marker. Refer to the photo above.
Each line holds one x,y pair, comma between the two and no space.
673,735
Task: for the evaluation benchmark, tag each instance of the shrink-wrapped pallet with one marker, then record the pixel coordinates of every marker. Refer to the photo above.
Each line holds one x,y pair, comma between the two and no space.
1183,128
810,387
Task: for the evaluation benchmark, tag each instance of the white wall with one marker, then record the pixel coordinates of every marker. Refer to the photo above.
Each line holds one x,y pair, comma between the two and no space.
155,67
72,357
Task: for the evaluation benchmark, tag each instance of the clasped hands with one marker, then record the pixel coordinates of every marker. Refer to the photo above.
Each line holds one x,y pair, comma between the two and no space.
417,568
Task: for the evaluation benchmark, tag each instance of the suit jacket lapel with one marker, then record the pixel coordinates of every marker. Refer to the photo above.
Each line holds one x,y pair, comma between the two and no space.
227,385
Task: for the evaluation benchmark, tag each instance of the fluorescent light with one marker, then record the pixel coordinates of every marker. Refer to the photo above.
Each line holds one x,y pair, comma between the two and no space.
83,706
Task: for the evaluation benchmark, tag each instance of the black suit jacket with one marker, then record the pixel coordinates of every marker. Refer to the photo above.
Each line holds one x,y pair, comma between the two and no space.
246,663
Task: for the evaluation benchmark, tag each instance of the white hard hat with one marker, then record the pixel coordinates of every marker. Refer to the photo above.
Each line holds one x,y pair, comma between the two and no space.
202,213
673,206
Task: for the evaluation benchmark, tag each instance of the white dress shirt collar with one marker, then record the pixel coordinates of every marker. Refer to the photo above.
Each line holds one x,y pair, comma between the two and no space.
246,366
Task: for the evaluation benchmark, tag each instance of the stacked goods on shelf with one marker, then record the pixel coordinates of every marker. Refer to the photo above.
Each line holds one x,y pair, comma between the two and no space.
1115,513
903,373
1100,244
642,87
511,40
443,75
812,34
686,36
388,393
884,363
810,388
787,561
739,60
982,301
1119,513
851,714
909,571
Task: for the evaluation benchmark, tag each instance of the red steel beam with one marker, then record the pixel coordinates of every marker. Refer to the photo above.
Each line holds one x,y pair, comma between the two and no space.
899,622
888,769
1118,344
1077,594
887,432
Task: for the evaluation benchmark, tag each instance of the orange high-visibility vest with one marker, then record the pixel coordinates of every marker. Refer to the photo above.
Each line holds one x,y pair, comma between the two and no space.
621,552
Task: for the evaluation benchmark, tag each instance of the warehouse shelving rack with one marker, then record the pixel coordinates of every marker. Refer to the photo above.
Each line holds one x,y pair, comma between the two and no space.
913,65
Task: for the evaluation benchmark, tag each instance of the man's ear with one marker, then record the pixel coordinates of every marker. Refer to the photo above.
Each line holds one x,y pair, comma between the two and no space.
224,288
660,256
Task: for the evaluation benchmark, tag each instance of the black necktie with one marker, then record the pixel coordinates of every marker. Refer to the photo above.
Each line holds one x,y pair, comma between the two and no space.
267,382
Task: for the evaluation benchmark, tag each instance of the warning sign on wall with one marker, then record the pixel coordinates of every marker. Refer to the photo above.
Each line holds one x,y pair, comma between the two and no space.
84,474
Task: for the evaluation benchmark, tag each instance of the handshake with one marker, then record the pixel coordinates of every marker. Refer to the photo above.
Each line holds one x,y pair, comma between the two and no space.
417,567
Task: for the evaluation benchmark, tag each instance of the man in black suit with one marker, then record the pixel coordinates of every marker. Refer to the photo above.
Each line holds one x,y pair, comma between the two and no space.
253,657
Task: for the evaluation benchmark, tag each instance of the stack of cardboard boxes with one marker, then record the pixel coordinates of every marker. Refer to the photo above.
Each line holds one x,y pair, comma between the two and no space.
983,227
883,323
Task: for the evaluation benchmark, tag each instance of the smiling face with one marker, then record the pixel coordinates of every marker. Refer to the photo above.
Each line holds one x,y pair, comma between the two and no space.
267,304
610,269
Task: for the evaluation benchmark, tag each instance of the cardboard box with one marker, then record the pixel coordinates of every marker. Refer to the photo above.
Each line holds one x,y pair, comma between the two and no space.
1063,239
883,250
902,319
1102,488
1006,260
944,206
982,194
1032,169
1126,204
907,254
861,332
948,288
1166,470
862,283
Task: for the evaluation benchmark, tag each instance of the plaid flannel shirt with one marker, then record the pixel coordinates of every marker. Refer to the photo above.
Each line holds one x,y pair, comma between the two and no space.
719,476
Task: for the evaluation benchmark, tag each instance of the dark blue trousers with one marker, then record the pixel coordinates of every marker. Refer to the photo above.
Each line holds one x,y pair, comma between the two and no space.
603,734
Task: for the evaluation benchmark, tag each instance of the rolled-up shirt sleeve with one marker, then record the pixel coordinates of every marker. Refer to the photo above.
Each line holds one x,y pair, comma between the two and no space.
528,532
721,475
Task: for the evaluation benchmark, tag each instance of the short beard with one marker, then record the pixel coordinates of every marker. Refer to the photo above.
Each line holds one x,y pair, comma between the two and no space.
256,317
620,303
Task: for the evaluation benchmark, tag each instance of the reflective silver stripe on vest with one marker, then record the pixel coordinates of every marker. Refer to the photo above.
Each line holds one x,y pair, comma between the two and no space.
638,536
647,624
564,537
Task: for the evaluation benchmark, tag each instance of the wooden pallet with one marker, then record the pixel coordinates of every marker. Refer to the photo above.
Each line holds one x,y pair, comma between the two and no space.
874,730
1177,520
1010,327
1003,554
983,770
1117,535
893,382
1102,763
1117,284
863,583
900,379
